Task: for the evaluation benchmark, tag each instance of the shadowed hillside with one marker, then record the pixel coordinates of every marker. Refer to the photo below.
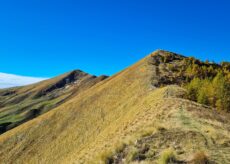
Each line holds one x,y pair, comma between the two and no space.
138,115
18,105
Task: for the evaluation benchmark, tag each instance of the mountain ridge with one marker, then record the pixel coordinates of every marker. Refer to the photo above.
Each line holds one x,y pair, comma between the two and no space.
108,122
36,99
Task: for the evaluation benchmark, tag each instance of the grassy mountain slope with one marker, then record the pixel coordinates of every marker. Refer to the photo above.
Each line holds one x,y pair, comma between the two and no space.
18,105
130,117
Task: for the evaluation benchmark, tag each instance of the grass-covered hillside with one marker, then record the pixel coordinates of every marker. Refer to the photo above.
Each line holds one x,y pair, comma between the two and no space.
21,104
140,115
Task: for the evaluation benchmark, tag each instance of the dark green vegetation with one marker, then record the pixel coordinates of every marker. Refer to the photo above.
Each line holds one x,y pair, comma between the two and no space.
21,104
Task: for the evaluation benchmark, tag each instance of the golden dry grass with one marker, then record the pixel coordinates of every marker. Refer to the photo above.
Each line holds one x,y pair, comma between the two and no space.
96,122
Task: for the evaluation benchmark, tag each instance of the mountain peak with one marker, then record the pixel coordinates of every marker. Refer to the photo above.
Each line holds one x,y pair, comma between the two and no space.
165,53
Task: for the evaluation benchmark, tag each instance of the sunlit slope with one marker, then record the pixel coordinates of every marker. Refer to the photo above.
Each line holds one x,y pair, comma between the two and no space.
119,109
20,104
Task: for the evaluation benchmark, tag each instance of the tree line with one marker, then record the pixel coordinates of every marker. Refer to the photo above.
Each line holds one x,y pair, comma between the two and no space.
208,83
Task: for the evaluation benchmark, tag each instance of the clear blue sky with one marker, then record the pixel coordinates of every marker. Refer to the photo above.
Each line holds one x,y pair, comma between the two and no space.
48,37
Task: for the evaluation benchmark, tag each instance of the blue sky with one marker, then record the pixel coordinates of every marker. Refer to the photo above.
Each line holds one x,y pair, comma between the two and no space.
45,38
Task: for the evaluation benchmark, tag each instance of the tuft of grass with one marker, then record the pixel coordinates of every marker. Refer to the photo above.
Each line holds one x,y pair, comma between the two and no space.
200,158
147,131
167,156
133,154
161,128
107,157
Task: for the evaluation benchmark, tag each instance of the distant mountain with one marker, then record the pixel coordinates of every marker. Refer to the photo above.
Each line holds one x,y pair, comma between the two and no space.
10,80
21,104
